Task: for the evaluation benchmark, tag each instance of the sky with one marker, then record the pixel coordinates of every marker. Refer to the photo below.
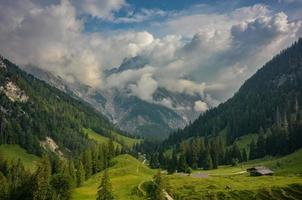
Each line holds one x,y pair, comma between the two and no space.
200,47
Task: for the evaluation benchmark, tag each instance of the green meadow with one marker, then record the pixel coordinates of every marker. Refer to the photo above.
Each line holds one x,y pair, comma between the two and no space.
15,152
126,175
119,139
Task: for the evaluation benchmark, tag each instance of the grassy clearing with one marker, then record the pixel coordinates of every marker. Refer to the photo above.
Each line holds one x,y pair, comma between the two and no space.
245,141
104,140
285,166
97,137
229,186
15,152
127,140
126,175
228,182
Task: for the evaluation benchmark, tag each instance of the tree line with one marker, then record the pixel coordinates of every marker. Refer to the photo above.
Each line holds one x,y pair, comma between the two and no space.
54,177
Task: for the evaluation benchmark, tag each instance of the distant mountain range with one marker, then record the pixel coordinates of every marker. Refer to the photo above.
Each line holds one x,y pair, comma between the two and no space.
128,112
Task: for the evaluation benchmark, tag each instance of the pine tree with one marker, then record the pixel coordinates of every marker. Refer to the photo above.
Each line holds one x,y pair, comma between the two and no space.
261,147
253,151
80,174
182,164
244,155
61,185
72,173
172,165
4,187
159,187
208,163
236,153
41,180
87,163
104,190
111,149
195,151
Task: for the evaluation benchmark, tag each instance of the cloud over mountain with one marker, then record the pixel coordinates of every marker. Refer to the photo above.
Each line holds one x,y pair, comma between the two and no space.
209,54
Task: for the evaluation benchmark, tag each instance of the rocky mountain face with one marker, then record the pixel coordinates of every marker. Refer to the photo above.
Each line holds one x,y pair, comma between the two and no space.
130,113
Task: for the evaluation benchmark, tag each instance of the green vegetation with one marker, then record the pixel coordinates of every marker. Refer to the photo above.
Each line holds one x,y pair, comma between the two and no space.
97,137
15,152
244,141
126,176
287,165
234,187
45,112
124,139
118,138
235,183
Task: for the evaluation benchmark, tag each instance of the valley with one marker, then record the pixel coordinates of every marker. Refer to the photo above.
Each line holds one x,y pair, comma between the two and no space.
150,100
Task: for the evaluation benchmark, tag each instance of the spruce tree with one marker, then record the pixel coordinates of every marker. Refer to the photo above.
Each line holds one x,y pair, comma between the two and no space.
253,151
182,164
195,149
4,187
41,180
159,187
208,163
261,147
244,155
172,165
61,185
87,163
104,190
80,174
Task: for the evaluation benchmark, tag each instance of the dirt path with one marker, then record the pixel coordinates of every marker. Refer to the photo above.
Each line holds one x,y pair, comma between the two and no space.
230,174
168,197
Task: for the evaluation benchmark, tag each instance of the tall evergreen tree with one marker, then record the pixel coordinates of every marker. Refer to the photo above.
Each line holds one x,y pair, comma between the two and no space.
158,193
104,190
208,163
172,165
244,155
253,151
41,180
80,174
61,185
87,163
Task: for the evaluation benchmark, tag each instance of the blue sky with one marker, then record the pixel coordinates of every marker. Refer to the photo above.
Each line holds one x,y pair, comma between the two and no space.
172,8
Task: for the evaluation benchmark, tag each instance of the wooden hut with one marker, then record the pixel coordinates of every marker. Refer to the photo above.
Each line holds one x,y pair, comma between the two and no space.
260,171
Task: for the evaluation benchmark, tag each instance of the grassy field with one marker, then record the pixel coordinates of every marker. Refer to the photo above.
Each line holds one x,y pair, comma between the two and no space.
126,174
97,137
15,152
234,183
127,140
104,140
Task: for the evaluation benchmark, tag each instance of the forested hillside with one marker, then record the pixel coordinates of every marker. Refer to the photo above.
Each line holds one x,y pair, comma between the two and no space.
33,114
267,106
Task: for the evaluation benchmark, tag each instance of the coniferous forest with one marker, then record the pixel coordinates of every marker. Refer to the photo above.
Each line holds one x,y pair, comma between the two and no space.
149,124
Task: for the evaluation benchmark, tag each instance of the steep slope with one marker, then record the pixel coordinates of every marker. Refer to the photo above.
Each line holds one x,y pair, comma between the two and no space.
270,97
130,113
34,114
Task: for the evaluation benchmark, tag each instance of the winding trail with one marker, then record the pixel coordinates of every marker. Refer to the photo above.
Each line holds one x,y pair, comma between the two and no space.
168,197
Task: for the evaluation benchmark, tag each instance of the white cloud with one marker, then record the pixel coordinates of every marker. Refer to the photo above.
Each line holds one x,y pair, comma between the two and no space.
145,87
208,54
200,106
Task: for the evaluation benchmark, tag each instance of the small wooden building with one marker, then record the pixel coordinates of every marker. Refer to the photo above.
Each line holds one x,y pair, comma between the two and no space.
260,171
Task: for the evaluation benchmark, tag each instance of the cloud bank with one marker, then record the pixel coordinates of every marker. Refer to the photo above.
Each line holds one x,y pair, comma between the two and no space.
205,54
